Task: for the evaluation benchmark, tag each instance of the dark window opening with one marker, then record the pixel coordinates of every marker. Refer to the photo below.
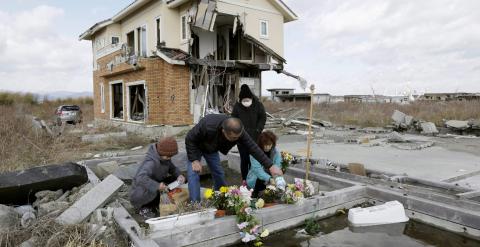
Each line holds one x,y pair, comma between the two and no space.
137,102
117,100
115,40
159,40
131,43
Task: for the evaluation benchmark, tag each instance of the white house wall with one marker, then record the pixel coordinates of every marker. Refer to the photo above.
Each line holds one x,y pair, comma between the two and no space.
257,10
208,42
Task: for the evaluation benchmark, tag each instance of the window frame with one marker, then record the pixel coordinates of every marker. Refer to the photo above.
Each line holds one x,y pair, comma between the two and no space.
158,27
264,36
111,99
139,40
183,28
127,87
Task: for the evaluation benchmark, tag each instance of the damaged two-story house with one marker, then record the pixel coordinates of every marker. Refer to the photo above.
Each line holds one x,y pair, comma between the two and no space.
170,62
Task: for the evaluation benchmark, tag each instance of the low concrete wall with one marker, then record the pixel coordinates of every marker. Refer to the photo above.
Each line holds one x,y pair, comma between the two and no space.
154,132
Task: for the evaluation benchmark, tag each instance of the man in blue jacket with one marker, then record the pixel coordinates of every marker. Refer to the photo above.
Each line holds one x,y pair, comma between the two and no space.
214,133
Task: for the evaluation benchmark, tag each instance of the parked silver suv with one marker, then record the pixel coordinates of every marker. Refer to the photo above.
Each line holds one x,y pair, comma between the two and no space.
69,114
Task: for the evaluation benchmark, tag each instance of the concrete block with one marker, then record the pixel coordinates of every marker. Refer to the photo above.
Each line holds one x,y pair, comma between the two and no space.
408,120
398,117
92,200
428,128
456,124
395,137
106,168
46,208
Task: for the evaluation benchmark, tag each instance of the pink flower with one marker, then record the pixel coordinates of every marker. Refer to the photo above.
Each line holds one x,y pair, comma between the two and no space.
254,229
299,185
242,225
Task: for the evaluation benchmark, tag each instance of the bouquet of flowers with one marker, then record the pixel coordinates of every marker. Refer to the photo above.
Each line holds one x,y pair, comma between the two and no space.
271,194
239,201
293,194
305,186
287,159
217,198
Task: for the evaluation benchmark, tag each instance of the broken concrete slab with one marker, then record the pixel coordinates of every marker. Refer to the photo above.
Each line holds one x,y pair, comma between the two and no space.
398,117
93,199
428,128
76,193
103,137
47,196
395,137
474,123
127,173
104,169
408,120
19,187
456,124
46,208
8,218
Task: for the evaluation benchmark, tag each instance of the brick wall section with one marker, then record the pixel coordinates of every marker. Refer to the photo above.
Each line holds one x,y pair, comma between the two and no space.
167,89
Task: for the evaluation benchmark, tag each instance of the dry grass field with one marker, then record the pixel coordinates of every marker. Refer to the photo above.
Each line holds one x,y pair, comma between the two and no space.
378,114
23,146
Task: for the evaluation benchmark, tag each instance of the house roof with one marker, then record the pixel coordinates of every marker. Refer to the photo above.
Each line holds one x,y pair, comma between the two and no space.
87,35
288,14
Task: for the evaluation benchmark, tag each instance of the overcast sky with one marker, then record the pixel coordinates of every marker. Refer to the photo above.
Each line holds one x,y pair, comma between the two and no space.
342,46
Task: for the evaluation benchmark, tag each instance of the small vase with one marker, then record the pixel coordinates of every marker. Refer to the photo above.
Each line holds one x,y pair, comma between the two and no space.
220,213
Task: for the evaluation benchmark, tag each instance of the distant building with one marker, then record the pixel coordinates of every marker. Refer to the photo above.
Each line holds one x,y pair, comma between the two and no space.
367,98
450,96
336,99
399,99
288,95
276,92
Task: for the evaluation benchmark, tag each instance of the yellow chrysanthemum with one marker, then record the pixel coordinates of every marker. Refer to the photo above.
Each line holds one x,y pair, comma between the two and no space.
208,193
223,189
260,203
298,194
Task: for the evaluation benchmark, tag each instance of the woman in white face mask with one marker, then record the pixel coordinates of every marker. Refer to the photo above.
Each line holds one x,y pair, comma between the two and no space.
252,113
247,102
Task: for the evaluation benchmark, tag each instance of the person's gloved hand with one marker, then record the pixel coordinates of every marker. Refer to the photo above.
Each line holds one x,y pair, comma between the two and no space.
280,183
181,179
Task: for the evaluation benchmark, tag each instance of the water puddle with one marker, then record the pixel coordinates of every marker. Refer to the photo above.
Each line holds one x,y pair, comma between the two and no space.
336,232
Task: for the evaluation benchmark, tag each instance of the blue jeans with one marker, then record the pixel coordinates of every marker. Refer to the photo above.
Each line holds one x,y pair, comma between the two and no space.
213,162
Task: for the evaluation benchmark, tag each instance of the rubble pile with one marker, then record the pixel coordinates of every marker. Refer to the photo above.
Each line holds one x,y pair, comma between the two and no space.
81,216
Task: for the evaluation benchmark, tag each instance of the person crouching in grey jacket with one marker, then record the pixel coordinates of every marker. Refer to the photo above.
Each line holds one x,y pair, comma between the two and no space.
153,176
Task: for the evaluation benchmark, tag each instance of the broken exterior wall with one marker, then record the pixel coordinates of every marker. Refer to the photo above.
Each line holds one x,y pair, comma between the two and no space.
167,89
257,11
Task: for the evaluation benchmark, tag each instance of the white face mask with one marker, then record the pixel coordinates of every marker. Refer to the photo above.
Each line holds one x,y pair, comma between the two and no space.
247,102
